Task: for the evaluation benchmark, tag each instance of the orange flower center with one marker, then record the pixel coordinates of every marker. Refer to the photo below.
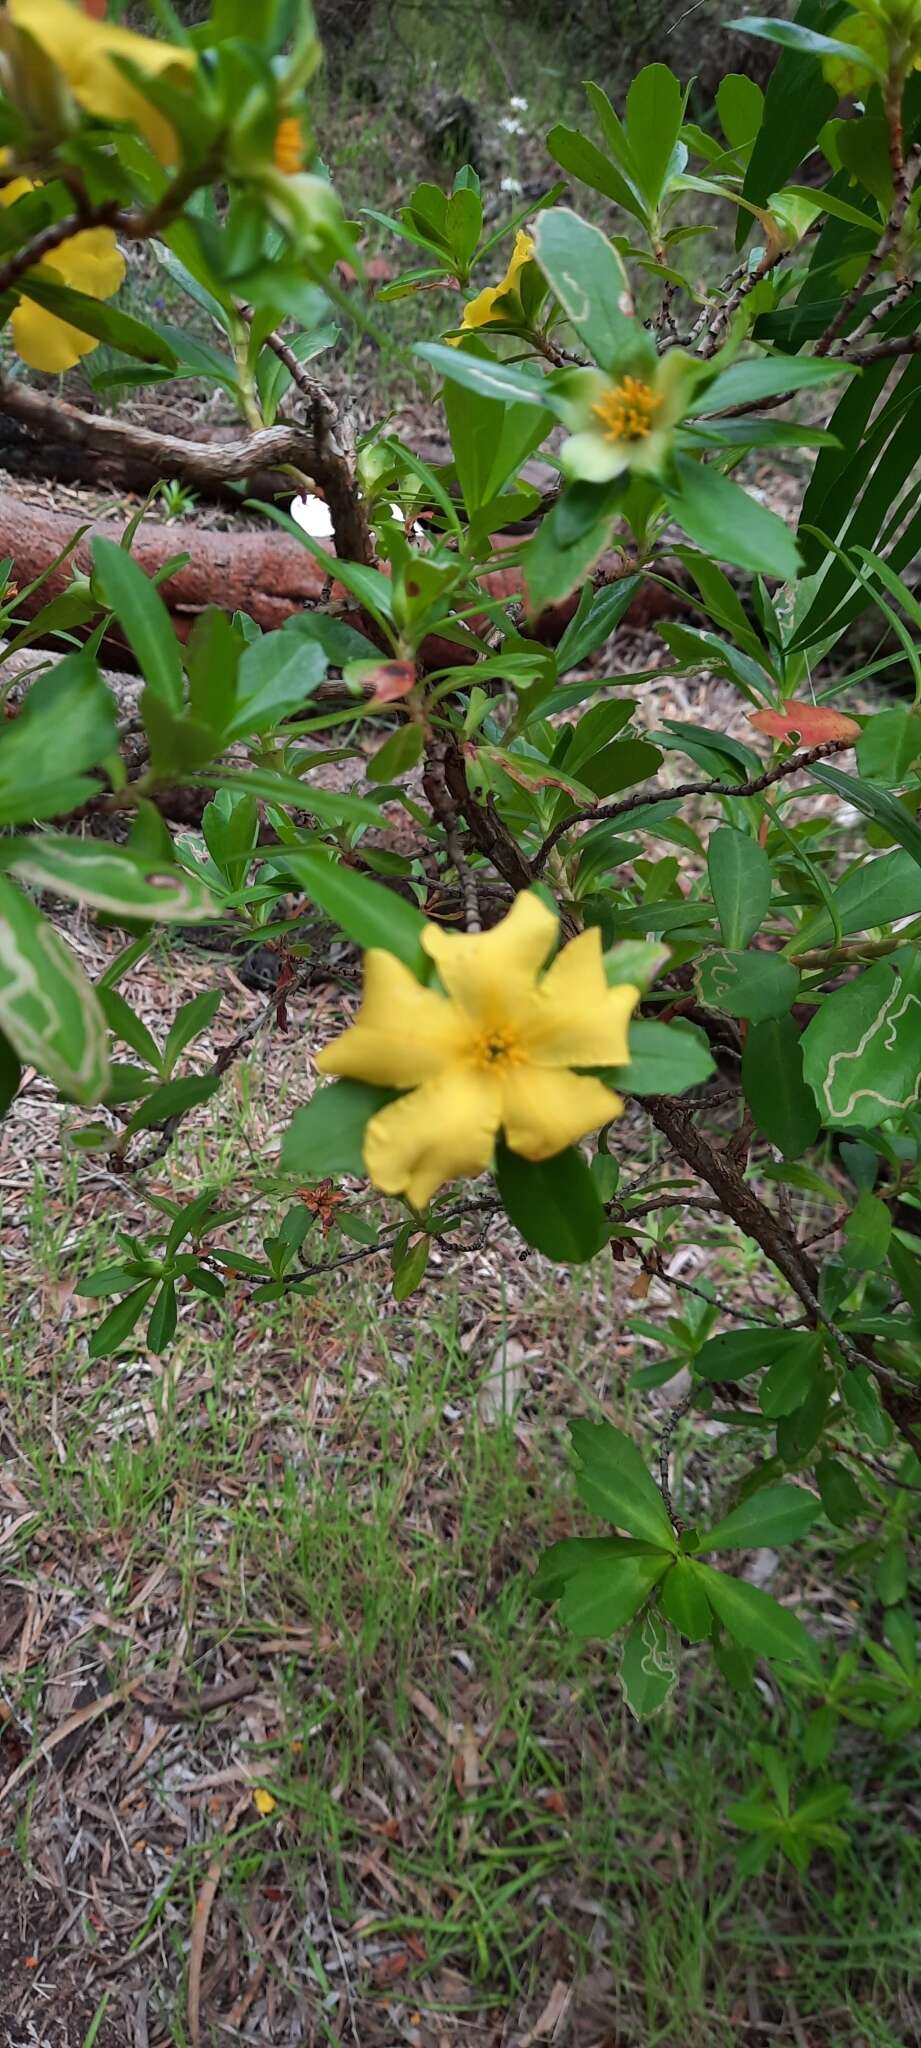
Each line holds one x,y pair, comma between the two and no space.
626,411
498,1048
288,148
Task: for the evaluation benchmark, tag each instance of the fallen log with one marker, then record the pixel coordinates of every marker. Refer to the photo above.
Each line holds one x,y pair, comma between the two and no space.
266,574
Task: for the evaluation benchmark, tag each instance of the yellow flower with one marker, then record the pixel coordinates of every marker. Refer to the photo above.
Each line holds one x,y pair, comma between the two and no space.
485,310
263,1801
494,1053
624,421
89,262
85,51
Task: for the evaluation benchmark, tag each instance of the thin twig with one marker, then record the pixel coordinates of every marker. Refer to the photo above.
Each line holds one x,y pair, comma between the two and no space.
685,789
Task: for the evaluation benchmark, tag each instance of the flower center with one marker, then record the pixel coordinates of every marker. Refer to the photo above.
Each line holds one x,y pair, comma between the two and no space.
288,148
626,411
496,1049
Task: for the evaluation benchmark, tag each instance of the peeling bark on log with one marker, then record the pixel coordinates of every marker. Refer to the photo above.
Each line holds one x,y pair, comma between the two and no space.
265,574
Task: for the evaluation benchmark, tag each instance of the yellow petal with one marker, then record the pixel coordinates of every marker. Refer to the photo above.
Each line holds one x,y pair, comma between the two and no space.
83,50
403,1033
493,974
544,1110
90,262
263,1801
435,1134
15,189
577,1020
482,310
46,343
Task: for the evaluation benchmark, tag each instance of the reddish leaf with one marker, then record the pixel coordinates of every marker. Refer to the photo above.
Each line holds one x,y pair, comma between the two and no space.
805,725
391,1967
389,679
96,9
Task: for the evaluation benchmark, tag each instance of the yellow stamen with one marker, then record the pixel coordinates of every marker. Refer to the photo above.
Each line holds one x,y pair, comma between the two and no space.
288,148
626,411
497,1048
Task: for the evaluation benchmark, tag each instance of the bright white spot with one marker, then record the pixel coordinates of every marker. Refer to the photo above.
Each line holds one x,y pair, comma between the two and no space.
520,105
510,125
510,185
395,513
313,515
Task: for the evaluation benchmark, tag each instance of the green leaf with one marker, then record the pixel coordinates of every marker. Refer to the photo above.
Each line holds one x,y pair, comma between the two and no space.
665,1059
595,621
173,1099
619,766
108,1280
736,1353
129,1028
725,521
892,1572
143,618
647,1666
860,1391
398,755
191,1019
581,158
93,316
554,1203
109,878
758,986
565,547
773,1515
65,725
161,1328
862,1049
48,1009
602,1599
490,439
791,1379
230,826
410,1271
782,1105
588,278
683,1599
756,1621
613,1481
875,894
740,106
841,1495
906,1267
876,804
325,1137
740,878
274,786
867,1232
277,674
805,41
10,1074
482,373
368,913
120,1321
797,103
889,745
655,110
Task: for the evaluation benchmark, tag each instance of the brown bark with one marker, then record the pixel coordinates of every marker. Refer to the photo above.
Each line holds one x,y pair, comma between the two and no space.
265,574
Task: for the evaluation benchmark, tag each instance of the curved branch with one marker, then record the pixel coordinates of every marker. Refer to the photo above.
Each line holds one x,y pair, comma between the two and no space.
196,462
683,789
